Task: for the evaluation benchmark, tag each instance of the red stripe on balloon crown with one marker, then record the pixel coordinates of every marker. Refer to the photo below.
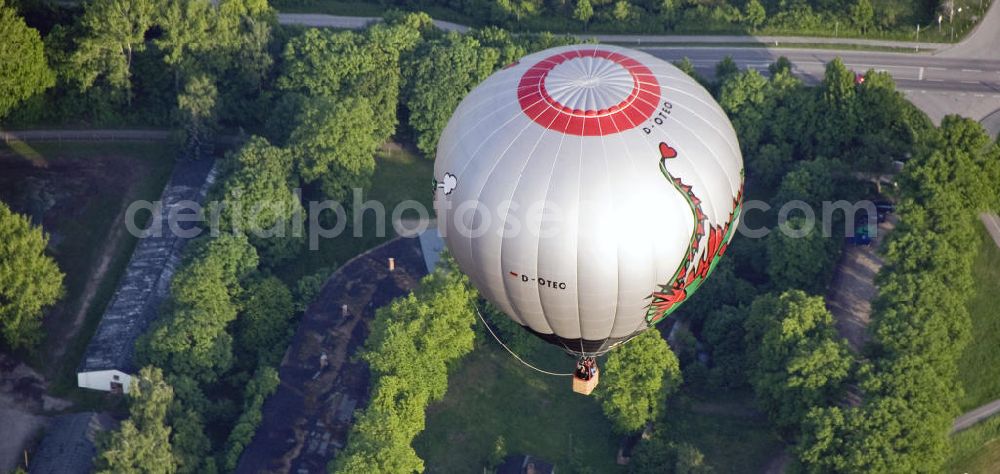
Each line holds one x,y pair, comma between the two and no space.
546,111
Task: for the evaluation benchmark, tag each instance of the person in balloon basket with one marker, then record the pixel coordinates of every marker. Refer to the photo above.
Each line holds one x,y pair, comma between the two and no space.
585,368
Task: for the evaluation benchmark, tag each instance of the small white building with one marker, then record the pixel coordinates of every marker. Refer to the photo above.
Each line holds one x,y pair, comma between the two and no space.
107,380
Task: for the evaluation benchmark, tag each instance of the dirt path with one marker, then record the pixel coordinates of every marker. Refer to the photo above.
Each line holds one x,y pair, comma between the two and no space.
85,135
992,223
853,287
779,462
732,409
104,261
975,415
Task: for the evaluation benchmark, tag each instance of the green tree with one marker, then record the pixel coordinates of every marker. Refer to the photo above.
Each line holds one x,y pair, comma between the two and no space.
690,460
191,446
801,257
755,14
724,334
518,8
812,181
309,286
261,386
920,324
638,377
890,130
724,288
509,48
30,281
257,190
837,117
420,333
382,82
667,10
743,96
186,34
197,104
412,344
322,63
838,83
342,65
142,444
659,455
25,70
335,142
622,11
687,67
380,438
726,68
782,64
962,162
904,431
442,72
796,361
228,40
192,339
264,326
862,15
244,32
258,198
769,165
583,12
114,30
513,334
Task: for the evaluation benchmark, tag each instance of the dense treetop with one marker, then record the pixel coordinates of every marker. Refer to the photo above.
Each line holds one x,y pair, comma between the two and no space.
25,69
30,281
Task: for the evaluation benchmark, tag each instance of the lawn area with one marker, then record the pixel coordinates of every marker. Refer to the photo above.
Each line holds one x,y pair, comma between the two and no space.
79,192
399,176
492,395
977,449
979,367
733,436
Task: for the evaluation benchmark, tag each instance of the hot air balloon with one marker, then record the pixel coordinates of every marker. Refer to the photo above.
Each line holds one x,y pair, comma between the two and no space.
587,191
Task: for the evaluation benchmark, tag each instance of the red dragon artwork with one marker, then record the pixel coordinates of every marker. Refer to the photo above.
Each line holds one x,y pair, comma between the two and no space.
693,270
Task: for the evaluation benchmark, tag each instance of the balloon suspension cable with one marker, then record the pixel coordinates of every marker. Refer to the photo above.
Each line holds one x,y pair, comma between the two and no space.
488,328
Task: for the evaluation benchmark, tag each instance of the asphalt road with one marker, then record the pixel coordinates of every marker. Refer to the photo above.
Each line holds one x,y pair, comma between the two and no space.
963,78
911,71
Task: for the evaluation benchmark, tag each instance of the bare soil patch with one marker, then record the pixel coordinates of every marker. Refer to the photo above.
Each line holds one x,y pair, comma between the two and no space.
79,199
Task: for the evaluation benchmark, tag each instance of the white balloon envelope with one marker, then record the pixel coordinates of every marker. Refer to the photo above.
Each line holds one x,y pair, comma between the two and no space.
587,191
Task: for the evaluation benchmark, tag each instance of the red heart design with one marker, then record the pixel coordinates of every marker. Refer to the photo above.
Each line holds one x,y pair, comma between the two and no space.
667,151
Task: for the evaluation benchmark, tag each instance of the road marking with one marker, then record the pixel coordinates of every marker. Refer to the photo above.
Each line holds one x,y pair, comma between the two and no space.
935,80
937,69
970,82
980,95
879,67
972,70
921,76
